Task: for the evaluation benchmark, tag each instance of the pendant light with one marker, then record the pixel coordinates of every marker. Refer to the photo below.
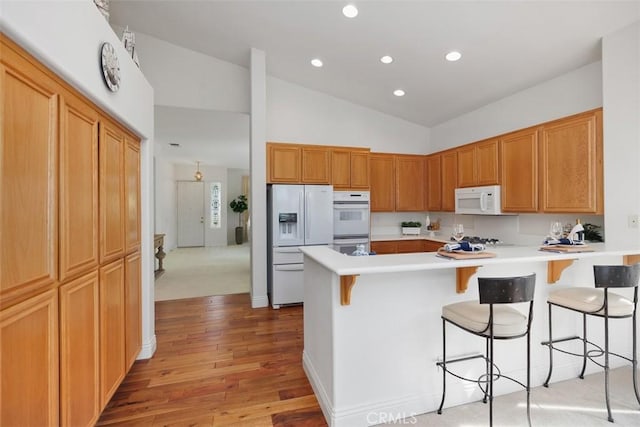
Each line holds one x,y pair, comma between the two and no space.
198,176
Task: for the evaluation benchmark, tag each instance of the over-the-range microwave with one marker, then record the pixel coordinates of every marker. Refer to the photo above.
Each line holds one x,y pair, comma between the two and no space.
478,200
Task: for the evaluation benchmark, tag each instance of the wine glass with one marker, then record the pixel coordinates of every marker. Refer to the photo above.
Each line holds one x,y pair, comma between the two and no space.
556,230
458,232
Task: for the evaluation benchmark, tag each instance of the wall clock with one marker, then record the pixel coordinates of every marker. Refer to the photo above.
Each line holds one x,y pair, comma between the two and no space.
110,66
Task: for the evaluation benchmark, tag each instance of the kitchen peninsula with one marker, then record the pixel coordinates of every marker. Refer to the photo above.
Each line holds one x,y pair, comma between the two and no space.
373,333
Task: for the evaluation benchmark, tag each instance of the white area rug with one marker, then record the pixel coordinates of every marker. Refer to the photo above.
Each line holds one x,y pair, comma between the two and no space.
199,272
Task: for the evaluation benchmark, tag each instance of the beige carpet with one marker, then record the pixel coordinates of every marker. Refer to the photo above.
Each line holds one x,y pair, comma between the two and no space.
198,272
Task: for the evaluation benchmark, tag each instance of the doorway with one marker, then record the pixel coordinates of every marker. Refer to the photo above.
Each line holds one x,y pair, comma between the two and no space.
190,214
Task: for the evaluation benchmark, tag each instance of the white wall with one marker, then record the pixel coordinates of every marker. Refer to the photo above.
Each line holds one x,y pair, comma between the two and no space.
66,36
185,78
297,114
621,86
574,92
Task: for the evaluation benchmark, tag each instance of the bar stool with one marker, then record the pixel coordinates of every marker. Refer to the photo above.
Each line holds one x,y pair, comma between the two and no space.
492,319
599,302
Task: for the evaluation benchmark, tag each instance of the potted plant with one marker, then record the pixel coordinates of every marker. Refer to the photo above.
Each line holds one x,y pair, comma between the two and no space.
239,205
410,227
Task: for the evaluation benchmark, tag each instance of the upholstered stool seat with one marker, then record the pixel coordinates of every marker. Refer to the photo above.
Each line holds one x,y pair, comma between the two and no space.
474,317
599,302
492,318
590,300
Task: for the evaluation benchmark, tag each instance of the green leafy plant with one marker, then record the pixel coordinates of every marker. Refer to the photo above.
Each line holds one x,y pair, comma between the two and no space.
239,205
591,233
411,224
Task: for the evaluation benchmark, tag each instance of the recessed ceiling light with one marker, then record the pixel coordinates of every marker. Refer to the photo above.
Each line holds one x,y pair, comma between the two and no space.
453,56
386,59
350,11
398,92
316,62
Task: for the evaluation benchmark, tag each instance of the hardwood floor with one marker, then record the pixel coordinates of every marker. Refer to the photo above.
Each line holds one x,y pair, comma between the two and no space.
219,362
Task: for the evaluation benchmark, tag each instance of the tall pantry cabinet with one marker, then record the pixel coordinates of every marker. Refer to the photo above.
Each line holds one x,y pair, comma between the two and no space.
69,249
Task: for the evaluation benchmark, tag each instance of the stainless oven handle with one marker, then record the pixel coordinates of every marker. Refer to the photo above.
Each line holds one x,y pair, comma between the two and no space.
350,207
289,267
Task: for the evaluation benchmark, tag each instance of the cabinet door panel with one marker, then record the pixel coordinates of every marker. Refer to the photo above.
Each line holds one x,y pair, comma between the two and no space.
449,180
382,183
520,171
488,162
432,245
381,248
359,170
467,174
410,246
112,329
29,363
132,190
434,183
112,204
340,168
28,179
78,187
79,351
316,165
283,163
133,301
569,166
409,183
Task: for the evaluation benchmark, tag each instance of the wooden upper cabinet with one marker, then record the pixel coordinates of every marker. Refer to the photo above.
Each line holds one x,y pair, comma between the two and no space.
132,194
409,183
283,163
382,182
316,164
488,162
478,164
78,187
360,170
80,351
29,362
449,180
112,199
28,179
519,167
571,164
433,196
350,169
467,172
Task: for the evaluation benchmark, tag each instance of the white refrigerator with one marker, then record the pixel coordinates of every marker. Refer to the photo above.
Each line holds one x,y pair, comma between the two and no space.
298,215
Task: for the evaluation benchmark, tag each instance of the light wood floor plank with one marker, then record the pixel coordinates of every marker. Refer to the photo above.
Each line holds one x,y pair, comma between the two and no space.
219,363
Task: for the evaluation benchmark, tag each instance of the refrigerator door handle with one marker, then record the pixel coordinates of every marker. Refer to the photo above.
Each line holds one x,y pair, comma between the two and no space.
307,214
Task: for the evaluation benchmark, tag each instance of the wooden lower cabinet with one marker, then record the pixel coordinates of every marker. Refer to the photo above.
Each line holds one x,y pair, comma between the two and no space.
29,362
405,246
112,329
80,351
133,307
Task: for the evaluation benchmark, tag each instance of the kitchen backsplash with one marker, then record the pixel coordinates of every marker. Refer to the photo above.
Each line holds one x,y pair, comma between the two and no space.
525,229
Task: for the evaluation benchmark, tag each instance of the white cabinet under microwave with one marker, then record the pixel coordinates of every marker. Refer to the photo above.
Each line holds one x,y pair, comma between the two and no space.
478,200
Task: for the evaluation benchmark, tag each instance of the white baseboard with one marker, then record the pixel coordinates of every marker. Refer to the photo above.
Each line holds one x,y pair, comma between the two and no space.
258,301
148,349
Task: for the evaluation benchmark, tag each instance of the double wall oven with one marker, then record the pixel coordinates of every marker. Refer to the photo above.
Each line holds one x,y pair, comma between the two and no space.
350,220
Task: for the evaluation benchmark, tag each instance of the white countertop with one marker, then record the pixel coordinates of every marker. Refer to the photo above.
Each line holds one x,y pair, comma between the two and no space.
344,265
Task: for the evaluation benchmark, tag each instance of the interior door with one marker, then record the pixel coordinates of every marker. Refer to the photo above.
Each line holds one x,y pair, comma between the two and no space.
190,214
